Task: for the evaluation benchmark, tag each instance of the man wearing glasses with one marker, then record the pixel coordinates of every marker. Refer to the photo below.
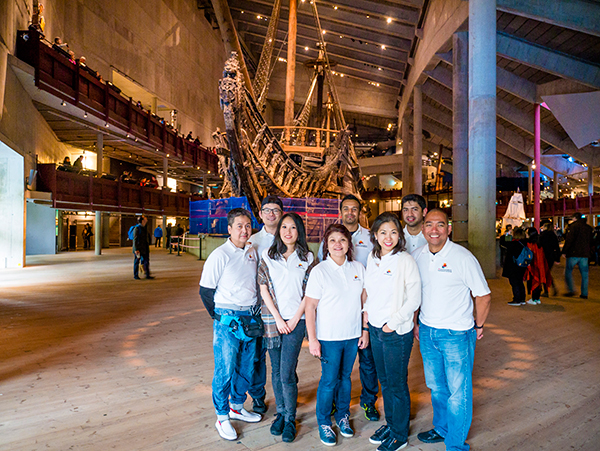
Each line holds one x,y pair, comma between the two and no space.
270,213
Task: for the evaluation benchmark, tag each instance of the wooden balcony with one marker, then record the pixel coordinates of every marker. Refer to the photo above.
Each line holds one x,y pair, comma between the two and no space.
72,191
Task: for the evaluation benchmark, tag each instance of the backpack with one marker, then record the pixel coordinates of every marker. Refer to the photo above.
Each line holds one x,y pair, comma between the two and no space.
525,258
130,232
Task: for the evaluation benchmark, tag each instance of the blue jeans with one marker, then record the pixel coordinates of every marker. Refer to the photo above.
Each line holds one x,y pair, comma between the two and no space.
584,269
144,260
284,360
259,379
448,357
392,353
337,360
233,365
368,376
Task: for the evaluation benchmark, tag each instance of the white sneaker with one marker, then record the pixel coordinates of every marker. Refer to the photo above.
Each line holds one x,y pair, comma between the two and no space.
531,302
226,430
244,415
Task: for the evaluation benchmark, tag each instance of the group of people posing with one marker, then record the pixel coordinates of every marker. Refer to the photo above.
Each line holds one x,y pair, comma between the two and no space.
366,292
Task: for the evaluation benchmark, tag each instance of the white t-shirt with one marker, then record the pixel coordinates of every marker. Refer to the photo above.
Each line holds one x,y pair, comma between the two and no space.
449,277
261,240
381,287
361,240
232,271
413,242
339,290
287,277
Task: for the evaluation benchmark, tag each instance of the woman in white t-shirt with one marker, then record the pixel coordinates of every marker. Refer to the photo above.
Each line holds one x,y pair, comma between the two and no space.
393,287
334,322
282,275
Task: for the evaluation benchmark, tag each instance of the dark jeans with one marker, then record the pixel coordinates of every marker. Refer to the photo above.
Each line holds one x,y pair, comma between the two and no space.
518,288
368,376
157,241
259,379
392,353
144,259
284,361
337,360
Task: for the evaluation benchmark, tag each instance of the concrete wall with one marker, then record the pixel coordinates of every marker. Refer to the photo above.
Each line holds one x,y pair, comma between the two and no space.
41,236
12,208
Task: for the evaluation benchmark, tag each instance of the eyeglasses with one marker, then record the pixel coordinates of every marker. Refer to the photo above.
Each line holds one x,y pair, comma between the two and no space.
274,211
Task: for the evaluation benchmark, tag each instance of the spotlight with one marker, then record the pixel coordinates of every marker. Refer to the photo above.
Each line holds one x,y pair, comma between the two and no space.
63,103
106,125
85,114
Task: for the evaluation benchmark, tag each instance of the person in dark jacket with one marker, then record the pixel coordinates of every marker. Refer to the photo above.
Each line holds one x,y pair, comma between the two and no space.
511,270
577,248
141,249
549,243
537,273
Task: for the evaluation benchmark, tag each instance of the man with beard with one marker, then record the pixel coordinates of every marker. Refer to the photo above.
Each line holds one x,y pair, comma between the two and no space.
350,209
414,208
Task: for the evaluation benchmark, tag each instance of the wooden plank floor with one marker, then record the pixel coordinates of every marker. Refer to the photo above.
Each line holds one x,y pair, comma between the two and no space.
91,359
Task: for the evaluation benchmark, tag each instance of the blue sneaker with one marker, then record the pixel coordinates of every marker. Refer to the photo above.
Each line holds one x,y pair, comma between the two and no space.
344,425
327,435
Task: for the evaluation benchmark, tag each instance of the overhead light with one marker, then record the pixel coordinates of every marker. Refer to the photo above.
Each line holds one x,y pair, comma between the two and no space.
306,49
63,103
128,135
106,125
389,20
258,17
85,114
167,155
324,31
209,172
335,7
379,68
383,47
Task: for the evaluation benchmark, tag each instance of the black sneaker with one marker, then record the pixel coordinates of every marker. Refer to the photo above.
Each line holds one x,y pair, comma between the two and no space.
371,413
259,406
430,436
583,296
380,435
569,294
289,432
277,425
516,303
391,444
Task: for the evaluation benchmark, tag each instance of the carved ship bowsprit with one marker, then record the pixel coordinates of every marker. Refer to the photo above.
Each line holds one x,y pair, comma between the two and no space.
256,160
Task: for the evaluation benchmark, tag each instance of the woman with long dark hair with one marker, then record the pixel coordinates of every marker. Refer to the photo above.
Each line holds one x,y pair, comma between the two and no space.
393,287
334,298
282,275
537,273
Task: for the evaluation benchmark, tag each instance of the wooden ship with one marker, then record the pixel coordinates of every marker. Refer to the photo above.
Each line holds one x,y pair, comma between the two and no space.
293,160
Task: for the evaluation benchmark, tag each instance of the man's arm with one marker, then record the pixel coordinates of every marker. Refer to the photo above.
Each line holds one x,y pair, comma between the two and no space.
482,309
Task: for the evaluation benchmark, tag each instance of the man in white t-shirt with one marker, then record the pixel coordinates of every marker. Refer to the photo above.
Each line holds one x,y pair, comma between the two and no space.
228,290
448,329
270,213
361,240
414,208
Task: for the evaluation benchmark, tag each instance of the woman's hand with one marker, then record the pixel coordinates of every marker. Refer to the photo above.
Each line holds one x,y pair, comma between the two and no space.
282,326
292,323
314,347
386,329
363,341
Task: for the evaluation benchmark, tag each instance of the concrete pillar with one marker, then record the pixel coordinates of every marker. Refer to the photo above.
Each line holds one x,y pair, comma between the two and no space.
98,222
460,137
537,136
417,151
482,133
407,187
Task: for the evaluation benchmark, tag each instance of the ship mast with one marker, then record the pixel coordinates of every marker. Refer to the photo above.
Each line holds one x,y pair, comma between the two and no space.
290,77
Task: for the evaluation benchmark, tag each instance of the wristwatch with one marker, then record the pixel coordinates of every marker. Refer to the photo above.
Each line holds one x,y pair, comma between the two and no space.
478,327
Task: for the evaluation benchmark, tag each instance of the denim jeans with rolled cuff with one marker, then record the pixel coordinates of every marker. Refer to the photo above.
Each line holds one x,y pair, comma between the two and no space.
448,357
234,366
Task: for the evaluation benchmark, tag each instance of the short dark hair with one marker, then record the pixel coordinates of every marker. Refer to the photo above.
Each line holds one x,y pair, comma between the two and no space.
532,235
344,231
140,219
379,221
438,210
577,215
420,200
508,226
518,233
272,200
234,213
278,248
350,197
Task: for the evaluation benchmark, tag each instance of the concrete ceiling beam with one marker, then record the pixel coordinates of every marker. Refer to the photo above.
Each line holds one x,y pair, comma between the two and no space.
547,60
577,15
